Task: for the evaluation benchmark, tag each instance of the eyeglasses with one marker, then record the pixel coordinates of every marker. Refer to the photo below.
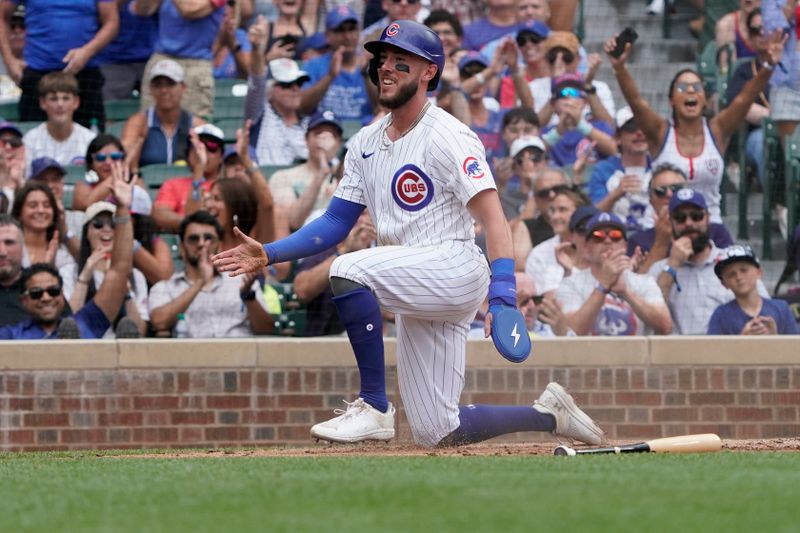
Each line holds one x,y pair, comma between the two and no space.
195,238
681,217
756,30
36,293
683,86
537,299
115,156
286,85
101,222
536,157
569,92
11,142
525,38
566,55
471,69
661,191
544,194
600,235
212,146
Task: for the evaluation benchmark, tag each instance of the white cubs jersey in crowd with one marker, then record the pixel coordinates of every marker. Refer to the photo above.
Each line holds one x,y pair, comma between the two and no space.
704,171
417,187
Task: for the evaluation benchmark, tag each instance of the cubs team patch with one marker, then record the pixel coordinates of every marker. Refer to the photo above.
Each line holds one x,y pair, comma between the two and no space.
472,168
392,30
412,189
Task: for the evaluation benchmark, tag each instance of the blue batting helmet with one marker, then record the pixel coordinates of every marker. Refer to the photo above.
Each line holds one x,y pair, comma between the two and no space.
412,37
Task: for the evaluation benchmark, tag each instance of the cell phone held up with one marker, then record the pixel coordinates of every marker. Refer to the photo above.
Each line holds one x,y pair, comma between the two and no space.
628,35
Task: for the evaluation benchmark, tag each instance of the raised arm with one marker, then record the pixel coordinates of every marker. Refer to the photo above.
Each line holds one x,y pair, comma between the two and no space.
264,230
14,66
653,125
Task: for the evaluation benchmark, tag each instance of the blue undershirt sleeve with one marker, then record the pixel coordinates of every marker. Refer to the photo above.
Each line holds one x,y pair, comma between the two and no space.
326,231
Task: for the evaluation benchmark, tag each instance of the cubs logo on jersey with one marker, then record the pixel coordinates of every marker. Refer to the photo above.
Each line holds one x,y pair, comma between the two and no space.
412,189
472,168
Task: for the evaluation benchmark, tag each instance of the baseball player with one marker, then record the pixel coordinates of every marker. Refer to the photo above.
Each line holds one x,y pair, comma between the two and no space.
423,177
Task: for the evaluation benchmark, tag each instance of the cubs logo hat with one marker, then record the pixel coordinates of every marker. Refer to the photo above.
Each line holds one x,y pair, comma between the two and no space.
687,197
604,220
733,254
337,16
324,117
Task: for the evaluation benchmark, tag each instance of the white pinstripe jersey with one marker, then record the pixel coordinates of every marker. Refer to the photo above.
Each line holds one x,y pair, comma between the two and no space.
416,188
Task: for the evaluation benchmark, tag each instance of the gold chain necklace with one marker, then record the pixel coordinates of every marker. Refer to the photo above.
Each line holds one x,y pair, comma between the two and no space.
387,143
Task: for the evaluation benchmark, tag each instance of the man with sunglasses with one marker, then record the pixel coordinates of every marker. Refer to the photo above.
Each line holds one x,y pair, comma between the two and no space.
655,242
11,287
181,195
213,305
608,298
335,80
686,277
43,298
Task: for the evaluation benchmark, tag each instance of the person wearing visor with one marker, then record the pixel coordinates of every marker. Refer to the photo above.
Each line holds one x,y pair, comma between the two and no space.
529,157
738,269
608,298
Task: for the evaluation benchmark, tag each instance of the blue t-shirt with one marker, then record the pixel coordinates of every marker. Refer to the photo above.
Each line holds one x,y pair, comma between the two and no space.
565,151
92,324
729,319
602,171
186,38
56,26
135,41
481,32
227,69
346,96
490,133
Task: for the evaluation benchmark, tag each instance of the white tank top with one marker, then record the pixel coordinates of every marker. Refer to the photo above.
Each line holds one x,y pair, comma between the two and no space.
703,171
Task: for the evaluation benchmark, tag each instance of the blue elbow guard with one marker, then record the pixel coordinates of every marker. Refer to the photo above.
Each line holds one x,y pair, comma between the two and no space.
509,331
326,231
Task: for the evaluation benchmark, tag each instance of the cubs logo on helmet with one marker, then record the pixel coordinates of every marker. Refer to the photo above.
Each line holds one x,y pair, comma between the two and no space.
391,31
472,168
412,189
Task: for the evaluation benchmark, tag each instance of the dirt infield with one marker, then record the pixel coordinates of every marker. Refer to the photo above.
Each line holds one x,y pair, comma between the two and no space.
410,450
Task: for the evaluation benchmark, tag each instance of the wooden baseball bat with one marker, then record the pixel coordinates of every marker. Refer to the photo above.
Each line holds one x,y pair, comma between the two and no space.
704,442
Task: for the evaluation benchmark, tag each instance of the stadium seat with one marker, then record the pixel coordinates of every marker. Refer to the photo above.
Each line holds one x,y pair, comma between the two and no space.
230,87
228,107
172,240
350,128
269,170
773,170
9,111
27,126
707,67
115,129
155,175
292,323
792,173
229,127
121,110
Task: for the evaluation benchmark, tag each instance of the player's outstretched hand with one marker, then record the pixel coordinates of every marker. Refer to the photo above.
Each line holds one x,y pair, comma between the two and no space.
244,258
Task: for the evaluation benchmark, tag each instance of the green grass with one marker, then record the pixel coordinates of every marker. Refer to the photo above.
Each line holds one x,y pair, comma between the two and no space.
714,492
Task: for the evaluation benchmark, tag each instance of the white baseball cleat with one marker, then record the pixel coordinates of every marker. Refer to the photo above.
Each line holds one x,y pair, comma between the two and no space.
571,422
359,422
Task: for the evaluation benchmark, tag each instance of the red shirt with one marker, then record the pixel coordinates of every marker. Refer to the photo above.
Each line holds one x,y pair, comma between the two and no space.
174,192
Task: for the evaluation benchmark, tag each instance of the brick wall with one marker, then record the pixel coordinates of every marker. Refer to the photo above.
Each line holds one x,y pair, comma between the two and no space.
254,402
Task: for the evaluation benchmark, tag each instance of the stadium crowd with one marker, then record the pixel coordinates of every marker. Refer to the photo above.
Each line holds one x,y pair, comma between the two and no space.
615,210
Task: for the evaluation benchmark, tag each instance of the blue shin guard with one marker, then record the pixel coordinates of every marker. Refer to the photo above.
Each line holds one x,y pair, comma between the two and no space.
361,315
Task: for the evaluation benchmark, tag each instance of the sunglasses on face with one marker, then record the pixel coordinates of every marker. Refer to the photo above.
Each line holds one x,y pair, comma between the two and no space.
684,86
536,157
101,222
525,38
566,55
36,293
681,217
115,156
409,2
471,70
537,299
17,25
11,142
212,146
599,235
286,85
195,238
661,191
549,192
569,92
756,30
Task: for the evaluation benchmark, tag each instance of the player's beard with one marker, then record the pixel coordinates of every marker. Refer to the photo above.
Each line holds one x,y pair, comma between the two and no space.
404,93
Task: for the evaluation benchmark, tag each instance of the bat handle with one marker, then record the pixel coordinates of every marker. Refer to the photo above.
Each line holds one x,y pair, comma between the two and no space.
564,451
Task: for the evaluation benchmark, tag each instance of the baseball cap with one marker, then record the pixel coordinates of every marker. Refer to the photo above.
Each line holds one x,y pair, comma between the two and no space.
337,16
733,254
623,116
168,69
604,220
141,204
687,197
285,70
570,79
526,141
231,151
324,117
537,27
10,126
210,130
582,214
41,164
317,41
19,12
562,39
472,57
97,208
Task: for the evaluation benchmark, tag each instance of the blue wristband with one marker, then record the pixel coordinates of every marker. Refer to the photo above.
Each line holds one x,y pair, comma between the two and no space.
585,127
503,287
551,137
